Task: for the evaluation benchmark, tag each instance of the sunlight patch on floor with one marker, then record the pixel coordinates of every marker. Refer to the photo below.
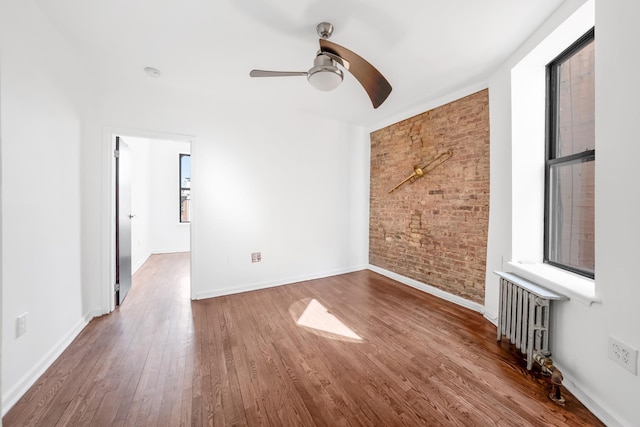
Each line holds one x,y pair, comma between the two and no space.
316,318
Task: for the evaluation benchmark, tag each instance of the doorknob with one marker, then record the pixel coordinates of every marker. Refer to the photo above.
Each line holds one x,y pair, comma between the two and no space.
131,216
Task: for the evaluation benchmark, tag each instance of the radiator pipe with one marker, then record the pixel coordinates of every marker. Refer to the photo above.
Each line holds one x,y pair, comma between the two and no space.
548,368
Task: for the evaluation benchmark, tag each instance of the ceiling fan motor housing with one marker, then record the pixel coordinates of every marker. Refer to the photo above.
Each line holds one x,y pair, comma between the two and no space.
325,75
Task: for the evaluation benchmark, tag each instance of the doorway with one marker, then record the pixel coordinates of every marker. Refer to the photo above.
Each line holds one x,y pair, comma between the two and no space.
151,221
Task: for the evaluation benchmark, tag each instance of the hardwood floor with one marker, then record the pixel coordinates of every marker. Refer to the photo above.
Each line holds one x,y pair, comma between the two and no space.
355,349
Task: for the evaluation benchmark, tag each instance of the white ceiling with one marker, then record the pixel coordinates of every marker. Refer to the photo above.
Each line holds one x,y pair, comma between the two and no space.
425,48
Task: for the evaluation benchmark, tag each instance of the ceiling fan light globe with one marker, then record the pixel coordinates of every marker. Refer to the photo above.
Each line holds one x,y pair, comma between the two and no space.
325,78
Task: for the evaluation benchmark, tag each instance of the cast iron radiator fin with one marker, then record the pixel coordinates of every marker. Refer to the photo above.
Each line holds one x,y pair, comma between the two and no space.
523,315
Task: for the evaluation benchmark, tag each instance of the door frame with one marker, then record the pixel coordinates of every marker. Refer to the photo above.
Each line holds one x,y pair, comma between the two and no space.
108,217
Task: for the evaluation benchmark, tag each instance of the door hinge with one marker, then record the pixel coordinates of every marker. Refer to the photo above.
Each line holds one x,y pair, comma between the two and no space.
116,154
116,287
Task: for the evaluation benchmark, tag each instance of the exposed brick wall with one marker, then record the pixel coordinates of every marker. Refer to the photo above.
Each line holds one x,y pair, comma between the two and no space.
434,229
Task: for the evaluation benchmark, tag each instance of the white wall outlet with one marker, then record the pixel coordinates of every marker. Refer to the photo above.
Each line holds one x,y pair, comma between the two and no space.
623,355
21,325
256,257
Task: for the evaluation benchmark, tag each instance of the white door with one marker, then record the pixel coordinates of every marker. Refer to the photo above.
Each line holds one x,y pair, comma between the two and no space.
123,221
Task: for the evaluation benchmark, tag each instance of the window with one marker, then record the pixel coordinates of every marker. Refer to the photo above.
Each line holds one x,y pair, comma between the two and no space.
185,188
569,240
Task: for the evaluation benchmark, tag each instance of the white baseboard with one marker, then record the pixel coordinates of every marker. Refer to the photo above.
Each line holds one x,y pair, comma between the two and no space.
170,251
140,263
274,283
491,318
11,396
429,289
592,404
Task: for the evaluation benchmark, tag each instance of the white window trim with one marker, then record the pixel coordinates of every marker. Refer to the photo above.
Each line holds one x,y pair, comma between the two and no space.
570,284
528,142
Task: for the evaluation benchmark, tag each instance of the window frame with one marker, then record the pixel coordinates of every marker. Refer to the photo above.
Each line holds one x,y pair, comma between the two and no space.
181,188
551,145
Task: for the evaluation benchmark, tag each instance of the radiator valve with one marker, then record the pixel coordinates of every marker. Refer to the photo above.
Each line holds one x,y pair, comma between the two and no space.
547,368
556,385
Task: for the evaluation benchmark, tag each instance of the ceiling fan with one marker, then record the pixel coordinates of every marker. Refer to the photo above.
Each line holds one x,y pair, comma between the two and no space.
325,74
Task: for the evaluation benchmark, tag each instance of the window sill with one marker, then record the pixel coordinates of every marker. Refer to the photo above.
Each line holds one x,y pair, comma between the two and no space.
569,284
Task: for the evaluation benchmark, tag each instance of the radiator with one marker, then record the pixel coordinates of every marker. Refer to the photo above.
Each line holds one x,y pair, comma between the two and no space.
523,316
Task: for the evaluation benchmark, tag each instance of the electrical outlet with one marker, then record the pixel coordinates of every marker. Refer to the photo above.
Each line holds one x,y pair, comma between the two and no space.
256,257
21,325
623,355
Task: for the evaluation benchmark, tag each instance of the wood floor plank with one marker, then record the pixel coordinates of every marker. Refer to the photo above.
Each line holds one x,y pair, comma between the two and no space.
354,349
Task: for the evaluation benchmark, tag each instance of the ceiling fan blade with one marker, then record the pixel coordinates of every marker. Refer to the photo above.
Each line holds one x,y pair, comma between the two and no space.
265,73
373,82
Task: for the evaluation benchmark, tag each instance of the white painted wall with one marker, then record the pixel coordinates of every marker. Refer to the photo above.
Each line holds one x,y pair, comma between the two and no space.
140,201
166,232
617,200
1,234
42,112
581,331
500,188
279,184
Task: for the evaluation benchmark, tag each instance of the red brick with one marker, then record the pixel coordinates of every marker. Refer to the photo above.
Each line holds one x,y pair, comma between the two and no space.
434,229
